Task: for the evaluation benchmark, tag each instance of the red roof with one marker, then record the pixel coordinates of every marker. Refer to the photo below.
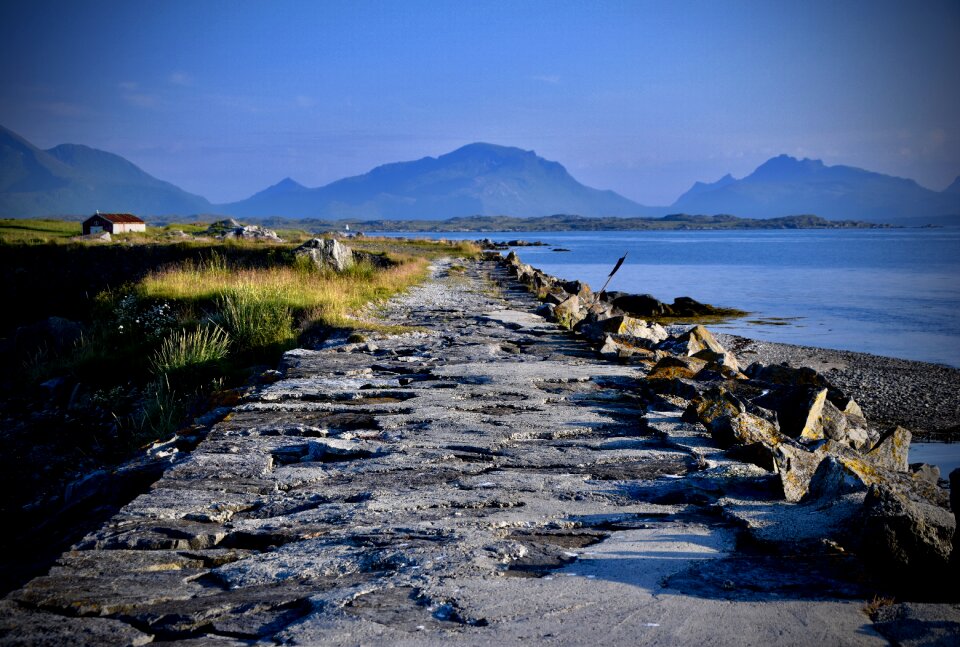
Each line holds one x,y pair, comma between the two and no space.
119,217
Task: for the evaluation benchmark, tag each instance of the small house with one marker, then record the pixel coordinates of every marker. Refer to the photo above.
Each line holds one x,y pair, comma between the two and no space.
115,223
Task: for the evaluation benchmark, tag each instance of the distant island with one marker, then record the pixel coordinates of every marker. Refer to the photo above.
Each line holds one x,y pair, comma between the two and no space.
560,222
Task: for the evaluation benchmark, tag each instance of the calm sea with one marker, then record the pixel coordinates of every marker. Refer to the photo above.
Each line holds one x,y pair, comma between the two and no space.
892,292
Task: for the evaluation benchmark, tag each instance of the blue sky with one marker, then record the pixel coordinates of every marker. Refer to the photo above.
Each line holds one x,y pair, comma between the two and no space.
226,98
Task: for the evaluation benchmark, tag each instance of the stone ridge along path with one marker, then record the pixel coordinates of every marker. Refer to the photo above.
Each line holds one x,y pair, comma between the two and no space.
486,479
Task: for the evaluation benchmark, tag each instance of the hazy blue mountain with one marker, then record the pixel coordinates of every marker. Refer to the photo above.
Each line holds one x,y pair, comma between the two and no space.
785,186
704,187
71,179
477,179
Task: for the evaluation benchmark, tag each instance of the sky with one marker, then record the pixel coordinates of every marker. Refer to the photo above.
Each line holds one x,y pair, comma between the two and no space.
226,98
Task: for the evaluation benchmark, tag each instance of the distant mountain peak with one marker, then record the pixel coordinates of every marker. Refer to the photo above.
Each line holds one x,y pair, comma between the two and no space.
954,186
784,165
287,184
77,179
476,179
785,185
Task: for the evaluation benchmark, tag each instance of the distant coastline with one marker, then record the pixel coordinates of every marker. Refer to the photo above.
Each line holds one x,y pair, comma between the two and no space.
481,224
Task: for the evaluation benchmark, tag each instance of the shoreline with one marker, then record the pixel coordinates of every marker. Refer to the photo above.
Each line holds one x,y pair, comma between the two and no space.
921,396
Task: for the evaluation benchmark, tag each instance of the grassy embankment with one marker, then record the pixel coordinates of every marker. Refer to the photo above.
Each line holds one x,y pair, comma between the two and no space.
157,350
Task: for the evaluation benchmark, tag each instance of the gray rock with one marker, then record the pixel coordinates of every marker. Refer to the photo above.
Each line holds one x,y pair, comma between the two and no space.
833,479
570,312
326,253
796,466
26,627
906,531
892,450
919,624
924,472
955,506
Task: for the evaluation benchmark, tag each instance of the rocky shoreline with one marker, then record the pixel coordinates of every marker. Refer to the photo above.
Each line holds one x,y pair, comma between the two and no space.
789,418
923,397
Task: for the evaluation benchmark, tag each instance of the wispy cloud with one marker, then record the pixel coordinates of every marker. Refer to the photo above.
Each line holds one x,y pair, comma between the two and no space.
128,86
180,78
141,99
305,102
552,79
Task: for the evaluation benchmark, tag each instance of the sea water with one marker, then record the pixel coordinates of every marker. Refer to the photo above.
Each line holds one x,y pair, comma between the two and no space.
893,292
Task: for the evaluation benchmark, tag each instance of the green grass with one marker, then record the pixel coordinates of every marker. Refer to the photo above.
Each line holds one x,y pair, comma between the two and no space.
256,317
35,232
189,349
203,323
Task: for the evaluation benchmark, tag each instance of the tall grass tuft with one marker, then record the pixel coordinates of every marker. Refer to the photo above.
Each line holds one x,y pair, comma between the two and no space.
160,415
256,316
183,349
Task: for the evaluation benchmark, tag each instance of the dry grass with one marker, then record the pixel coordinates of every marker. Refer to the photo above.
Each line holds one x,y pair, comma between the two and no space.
878,602
310,295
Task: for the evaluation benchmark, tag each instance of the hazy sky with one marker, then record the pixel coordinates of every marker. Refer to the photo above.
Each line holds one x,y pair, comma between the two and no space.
225,98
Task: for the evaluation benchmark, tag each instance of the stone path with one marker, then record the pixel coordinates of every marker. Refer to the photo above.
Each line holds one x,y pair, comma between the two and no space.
488,480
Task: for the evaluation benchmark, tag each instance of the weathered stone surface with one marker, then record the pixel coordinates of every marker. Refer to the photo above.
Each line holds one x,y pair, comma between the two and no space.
569,312
924,472
834,478
796,466
745,429
813,423
700,340
578,288
25,627
326,253
784,375
252,232
906,531
919,624
892,450
849,429
672,367
623,346
713,406
695,340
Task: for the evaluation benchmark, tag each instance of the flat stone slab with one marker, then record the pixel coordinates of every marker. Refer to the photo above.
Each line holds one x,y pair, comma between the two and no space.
489,479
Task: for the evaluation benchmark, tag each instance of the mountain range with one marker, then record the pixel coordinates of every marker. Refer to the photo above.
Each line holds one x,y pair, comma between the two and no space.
477,179
72,179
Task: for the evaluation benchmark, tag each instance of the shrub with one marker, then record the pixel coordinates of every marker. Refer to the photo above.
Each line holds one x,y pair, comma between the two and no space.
185,349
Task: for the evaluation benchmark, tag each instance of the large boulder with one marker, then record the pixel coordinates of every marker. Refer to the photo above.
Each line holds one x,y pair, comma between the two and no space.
700,342
672,367
892,450
620,347
600,322
848,429
797,466
326,253
579,288
569,312
812,428
642,305
904,530
252,232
